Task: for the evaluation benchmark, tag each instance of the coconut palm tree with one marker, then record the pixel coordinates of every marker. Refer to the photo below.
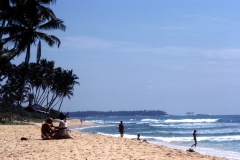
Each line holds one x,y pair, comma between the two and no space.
62,87
40,78
22,22
70,81
13,91
43,85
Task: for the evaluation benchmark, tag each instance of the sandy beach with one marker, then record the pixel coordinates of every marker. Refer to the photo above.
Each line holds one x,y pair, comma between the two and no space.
83,146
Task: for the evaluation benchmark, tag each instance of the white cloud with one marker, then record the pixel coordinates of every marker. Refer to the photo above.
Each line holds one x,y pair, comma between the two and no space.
191,53
210,18
223,53
171,28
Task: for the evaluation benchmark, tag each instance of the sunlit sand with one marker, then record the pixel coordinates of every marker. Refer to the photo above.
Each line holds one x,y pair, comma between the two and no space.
83,146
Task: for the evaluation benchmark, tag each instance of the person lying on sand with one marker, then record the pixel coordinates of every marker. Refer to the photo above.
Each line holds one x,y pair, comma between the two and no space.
138,138
47,130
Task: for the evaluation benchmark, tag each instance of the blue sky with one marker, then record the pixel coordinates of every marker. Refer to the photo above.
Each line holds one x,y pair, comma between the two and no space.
173,55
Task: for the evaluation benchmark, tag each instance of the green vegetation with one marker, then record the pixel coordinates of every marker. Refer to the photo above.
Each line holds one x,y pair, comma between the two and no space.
5,122
23,24
10,113
44,84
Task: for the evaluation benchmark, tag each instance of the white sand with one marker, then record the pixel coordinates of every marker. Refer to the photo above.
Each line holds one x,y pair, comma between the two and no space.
83,147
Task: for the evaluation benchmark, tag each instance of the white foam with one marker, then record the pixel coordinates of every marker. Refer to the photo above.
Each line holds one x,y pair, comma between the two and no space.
97,121
150,120
108,122
95,126
188,139
129,136
190,120
231,155
158,125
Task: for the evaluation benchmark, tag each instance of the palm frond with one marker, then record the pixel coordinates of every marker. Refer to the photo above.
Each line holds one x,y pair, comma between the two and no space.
53,24
49,39
48,13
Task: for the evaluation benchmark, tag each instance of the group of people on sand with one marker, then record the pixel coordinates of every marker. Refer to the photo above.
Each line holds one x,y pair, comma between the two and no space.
48,131
121,131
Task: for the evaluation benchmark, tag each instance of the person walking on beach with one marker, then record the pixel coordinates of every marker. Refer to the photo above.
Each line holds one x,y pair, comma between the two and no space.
121,128
195,138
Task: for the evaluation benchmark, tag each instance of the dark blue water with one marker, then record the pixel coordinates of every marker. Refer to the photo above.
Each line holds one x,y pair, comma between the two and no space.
217,135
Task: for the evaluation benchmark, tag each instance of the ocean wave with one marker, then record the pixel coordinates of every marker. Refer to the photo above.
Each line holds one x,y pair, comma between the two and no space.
151,120
129,136
97,121
182,125
220,138
87,127
106,134
186,132
190,120
210,138
180,139
158,125
109,122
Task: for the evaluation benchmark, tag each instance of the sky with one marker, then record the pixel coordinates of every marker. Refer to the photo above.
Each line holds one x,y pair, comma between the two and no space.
173,55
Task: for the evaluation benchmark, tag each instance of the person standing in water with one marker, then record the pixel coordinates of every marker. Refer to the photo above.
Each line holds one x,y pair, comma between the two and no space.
195,138
121,128
138,138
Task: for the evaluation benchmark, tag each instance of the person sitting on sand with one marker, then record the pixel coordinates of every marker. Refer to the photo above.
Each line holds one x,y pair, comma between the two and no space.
47,129
62,129
195,138
138,138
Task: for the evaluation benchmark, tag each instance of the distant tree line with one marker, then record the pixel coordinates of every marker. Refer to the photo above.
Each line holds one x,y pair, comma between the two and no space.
117,113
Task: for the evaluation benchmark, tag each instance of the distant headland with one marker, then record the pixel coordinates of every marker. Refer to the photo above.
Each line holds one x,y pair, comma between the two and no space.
117,113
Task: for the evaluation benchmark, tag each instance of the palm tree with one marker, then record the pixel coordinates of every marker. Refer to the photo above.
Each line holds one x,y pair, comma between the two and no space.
66,87
13,91
23,21
40,78
5,66
68,91
43,85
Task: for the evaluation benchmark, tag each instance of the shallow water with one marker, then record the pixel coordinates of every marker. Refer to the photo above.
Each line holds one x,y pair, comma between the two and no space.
217,135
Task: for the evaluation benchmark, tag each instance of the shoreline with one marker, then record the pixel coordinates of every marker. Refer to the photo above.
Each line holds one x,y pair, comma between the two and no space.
200,150
83,146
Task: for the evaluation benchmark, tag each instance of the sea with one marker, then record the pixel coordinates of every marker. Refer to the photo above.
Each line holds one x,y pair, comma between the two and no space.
217,135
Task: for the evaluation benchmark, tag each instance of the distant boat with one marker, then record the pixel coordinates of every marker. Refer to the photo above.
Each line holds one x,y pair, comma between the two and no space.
190,113
203,114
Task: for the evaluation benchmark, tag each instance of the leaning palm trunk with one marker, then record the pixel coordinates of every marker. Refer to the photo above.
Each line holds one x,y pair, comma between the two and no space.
60,105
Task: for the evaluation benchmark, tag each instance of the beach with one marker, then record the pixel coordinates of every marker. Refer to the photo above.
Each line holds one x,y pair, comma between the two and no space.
83,146
217,135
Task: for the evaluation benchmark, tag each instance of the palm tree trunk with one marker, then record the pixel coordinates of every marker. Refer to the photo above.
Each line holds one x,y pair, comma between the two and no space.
60,105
